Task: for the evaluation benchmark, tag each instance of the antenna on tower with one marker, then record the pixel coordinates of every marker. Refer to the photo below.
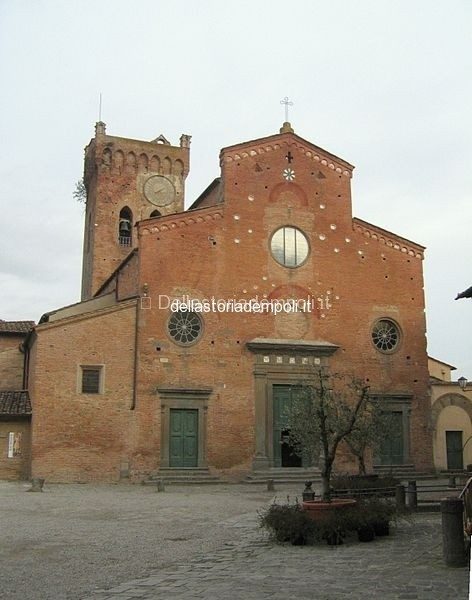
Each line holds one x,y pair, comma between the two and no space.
100,107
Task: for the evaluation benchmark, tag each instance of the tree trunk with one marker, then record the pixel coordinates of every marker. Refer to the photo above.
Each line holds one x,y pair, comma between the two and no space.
362,469
325,488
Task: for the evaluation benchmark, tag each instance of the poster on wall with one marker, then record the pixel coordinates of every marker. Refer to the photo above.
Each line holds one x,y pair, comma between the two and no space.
14,444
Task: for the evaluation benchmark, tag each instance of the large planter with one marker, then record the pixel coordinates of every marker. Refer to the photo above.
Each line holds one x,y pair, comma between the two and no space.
366,534
381,528
321,511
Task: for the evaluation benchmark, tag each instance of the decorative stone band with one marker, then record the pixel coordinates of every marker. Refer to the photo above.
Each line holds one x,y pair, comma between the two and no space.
179,221
315,154
389,239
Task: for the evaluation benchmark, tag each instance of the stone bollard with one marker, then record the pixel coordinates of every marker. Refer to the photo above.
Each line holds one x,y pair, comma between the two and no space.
412,495
400,497
36,484
454,552
161,486
270,485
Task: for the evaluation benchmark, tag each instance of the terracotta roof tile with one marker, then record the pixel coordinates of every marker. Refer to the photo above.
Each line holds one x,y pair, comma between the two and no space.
16,326
15,403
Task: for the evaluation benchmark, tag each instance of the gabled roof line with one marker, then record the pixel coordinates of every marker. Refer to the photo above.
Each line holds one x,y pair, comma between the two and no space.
114,273
87,315
382,235
283,137
205,193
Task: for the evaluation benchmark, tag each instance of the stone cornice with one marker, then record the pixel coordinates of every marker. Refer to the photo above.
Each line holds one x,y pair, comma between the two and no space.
179,220
390,240
319,347
172,392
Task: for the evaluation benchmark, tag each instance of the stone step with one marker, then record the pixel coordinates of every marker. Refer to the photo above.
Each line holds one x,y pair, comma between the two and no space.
393,468
403,472
284,475
196,476
428,506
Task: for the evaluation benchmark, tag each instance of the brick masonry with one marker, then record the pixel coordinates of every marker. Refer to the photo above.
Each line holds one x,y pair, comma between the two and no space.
18,466
83,437
11,362
11,378
222,251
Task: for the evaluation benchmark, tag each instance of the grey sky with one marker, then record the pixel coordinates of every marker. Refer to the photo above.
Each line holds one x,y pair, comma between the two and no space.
385,85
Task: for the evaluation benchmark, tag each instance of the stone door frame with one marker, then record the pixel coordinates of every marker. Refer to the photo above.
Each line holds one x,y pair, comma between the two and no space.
400,403
184,398
279,362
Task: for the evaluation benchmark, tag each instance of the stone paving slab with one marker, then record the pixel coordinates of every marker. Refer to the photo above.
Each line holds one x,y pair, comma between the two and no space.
406,565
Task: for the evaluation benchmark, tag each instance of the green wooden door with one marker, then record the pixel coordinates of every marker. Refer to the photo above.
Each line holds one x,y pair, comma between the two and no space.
284,454
183,438
454,450
391,448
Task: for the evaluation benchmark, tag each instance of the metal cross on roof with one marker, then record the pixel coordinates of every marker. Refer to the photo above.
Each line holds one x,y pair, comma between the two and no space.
287,103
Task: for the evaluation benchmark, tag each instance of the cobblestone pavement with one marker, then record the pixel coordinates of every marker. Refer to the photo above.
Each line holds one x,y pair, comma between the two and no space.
94,541
406,565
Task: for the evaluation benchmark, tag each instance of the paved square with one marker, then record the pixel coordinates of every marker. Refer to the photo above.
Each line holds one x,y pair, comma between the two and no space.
123,542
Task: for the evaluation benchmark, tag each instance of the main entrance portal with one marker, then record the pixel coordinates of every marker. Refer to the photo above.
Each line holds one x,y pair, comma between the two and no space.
284,452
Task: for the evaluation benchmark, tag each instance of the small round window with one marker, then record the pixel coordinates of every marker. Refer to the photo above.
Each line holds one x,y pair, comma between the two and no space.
184,327
386,335
289,246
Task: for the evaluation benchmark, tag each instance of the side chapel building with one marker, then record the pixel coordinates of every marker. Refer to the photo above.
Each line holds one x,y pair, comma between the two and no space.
122,387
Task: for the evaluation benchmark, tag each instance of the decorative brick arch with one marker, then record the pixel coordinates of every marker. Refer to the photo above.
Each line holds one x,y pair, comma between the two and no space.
451,399
288,190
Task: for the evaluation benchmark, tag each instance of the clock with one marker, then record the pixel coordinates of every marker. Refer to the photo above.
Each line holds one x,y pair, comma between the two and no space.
159,190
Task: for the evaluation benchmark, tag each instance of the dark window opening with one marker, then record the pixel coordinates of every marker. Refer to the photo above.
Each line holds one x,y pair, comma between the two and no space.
125,227
91,380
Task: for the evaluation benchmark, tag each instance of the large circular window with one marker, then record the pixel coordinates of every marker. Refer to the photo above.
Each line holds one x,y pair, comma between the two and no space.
289,246
386,335
184,327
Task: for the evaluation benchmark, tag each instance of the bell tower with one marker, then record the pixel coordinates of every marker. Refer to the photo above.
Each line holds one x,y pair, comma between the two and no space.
126,181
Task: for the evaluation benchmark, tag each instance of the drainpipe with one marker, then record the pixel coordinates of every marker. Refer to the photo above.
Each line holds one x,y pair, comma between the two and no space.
25,350
135,366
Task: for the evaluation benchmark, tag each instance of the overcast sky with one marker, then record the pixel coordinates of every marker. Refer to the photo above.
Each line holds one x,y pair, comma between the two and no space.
386,85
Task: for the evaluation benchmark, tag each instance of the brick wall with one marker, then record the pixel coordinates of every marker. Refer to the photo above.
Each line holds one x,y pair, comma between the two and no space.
11,362
224,251
17,467
359,272
116,170
75,436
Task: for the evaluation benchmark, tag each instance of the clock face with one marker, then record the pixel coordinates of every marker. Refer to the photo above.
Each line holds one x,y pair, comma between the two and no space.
159,190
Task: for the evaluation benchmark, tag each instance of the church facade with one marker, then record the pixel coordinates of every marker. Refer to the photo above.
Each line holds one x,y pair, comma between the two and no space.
196,327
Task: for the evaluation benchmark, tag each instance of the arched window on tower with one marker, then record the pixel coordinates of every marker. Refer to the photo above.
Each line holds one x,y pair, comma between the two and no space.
155,213
125,227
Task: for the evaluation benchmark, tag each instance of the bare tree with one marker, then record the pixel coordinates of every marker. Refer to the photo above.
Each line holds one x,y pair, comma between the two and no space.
372,427
325,414
80,192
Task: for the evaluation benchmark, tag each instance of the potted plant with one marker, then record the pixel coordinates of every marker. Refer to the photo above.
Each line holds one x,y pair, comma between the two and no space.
380,513
362,522
384,512
289,523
